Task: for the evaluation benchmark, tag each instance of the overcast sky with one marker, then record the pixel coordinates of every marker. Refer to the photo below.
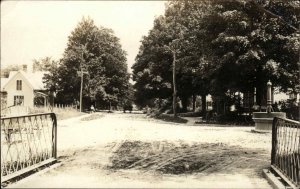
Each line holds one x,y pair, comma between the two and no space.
36,29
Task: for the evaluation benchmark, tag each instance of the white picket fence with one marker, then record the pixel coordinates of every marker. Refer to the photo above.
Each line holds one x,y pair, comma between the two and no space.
25,110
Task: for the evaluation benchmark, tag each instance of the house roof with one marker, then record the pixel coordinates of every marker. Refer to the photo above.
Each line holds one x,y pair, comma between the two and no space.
34,79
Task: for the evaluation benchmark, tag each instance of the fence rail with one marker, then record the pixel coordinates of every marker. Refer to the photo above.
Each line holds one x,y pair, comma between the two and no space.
27,142
285,156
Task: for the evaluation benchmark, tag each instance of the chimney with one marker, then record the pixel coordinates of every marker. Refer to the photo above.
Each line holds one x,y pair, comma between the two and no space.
24,68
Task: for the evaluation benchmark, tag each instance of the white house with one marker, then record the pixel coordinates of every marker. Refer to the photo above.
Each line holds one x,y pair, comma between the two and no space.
21,88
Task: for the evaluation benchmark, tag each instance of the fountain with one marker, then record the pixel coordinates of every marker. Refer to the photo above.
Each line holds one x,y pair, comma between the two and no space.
263,120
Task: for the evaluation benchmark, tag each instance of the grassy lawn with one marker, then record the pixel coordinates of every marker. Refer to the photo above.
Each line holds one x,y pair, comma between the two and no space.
61,113
68,114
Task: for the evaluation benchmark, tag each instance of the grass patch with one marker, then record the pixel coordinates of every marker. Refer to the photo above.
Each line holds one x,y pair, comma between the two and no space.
190,114
169,118
68,114
92,117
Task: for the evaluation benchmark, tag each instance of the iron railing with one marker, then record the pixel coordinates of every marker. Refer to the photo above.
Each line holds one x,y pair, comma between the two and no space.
27,142
285,156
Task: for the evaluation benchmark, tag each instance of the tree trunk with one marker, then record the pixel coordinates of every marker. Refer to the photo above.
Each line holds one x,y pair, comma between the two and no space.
203,104
194,103
184,101
174,85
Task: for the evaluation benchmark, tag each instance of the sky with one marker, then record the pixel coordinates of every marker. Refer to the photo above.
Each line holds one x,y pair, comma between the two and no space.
36,29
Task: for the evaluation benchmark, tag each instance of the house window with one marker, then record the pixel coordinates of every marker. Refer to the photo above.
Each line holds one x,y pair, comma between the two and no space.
19,85
18,100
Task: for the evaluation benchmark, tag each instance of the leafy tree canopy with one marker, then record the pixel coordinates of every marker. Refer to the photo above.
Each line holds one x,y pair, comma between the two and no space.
97,51
220,46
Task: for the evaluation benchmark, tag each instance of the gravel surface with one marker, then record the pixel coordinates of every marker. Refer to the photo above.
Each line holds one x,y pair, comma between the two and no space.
132,150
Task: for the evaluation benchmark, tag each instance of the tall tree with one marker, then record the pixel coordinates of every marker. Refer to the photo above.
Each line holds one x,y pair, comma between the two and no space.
43,64
173,41
152,68
98,52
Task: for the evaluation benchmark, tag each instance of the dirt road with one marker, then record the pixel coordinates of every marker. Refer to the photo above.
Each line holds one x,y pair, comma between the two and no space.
131,150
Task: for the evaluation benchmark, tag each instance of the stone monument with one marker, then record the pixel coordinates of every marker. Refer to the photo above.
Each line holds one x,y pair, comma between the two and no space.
263,120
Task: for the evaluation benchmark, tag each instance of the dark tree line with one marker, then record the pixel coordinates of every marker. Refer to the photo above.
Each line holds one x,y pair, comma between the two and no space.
221,47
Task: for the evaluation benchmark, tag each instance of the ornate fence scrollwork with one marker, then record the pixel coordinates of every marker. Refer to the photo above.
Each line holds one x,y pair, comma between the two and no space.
27,142
285,156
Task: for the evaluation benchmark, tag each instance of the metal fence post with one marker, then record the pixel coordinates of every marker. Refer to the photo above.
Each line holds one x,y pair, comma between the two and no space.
54,135
274,140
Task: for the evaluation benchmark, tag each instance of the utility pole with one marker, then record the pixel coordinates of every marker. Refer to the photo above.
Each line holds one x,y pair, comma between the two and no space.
81,86
172,47
81,72
174,78
174,84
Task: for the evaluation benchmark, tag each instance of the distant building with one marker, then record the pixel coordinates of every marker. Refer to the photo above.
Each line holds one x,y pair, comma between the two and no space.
22,88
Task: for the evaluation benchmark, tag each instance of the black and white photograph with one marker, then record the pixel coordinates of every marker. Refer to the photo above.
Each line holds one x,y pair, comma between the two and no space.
150,94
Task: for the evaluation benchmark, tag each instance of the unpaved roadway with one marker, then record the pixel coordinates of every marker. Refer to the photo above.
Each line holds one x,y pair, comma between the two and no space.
130,150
